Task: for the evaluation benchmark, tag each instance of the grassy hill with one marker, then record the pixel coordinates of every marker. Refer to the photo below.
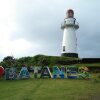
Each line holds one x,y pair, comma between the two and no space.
44,60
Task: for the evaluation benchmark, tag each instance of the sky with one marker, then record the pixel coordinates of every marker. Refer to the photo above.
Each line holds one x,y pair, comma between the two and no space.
31,27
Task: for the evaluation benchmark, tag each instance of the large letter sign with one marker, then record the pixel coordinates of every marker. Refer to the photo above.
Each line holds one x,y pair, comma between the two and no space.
45,72
24,73
10,74
1,71
57,72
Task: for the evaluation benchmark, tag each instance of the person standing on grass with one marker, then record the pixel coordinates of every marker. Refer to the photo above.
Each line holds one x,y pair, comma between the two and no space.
35,72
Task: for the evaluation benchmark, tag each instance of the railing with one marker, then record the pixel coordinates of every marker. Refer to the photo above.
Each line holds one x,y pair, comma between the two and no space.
69,23
76,23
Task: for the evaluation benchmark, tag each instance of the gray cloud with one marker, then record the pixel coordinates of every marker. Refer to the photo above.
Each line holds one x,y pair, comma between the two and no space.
39,22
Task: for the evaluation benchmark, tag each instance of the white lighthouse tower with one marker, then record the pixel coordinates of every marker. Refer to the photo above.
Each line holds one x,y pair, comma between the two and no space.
69,43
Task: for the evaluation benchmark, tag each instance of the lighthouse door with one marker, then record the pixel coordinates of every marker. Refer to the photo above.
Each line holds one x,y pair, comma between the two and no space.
63,48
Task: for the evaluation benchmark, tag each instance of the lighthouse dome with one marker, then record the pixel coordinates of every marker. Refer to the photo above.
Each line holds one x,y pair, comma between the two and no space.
70,13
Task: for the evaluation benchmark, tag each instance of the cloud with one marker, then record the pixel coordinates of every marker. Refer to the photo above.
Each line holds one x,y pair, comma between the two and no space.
15,47
37,24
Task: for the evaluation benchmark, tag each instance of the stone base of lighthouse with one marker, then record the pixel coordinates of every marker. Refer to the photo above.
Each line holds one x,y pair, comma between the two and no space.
75,55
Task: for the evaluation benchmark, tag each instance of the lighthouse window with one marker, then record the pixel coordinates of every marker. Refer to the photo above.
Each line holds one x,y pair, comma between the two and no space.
74,21
63,48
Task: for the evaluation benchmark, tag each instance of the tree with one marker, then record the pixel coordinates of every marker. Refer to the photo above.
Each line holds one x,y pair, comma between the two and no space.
9,61
41,60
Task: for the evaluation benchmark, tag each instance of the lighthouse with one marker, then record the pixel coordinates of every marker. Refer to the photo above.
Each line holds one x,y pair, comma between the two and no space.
69,43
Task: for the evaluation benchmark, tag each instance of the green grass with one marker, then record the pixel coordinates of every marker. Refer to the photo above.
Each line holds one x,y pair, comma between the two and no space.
83,65
93,64
49,89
